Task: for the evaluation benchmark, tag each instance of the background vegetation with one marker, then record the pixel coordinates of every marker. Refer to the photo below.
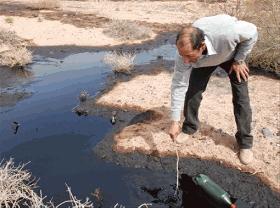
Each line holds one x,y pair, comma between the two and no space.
127,30
43,4
17,187
15,54
265,14
120,62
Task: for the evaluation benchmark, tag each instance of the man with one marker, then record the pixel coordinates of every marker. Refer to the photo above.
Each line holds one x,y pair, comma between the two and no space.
210,42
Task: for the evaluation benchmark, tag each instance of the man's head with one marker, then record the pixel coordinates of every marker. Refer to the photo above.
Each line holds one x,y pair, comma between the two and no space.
190,43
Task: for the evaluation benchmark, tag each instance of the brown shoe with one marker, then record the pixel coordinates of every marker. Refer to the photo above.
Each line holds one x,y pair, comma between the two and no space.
246,156
182,138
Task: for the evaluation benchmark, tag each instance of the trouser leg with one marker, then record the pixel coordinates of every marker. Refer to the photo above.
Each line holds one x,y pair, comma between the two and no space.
242,108
197,84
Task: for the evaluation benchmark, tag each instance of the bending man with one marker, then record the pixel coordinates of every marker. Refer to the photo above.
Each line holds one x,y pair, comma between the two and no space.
210,42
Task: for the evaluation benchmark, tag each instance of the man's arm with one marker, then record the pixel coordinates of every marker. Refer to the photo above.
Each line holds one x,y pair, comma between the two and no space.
247,37
179,86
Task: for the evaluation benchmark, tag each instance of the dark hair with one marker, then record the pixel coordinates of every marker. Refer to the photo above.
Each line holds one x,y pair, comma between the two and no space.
194,35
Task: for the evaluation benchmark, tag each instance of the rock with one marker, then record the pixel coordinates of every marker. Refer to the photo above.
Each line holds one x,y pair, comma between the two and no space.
266,132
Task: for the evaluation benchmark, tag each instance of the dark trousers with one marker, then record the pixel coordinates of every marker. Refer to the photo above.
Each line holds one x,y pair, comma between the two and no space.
241,102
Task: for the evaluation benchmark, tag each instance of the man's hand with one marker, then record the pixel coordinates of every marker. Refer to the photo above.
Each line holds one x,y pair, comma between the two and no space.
174,130
241,71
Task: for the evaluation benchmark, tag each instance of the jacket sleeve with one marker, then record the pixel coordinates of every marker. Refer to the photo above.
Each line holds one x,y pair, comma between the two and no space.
247,37
179,86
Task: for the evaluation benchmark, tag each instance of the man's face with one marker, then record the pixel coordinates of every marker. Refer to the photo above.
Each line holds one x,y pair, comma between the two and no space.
190,55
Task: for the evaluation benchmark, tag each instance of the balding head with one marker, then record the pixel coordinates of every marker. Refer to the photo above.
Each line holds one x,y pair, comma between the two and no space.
190,35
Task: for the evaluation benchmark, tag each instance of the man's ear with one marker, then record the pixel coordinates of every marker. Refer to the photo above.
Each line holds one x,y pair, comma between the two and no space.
203,46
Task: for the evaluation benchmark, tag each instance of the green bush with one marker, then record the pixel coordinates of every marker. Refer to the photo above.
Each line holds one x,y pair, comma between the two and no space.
9,20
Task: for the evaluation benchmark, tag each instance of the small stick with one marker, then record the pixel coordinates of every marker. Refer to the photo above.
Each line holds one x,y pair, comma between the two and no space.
256,172
146,205
177,169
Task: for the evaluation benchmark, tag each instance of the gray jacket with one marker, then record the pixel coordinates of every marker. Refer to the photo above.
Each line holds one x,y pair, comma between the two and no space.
225,38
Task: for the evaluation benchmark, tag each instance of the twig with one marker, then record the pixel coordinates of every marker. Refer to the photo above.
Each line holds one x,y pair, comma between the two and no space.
118,205
256,172
146,205
177,169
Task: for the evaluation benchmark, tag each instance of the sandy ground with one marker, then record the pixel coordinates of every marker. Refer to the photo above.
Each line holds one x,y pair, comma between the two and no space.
215,139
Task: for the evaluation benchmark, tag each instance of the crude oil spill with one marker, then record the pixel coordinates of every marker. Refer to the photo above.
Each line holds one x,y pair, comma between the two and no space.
59,144
188,195
15,126
161,196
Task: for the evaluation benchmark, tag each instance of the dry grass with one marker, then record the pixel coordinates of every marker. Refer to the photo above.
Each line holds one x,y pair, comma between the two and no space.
16,56
43,4
121,62
127,31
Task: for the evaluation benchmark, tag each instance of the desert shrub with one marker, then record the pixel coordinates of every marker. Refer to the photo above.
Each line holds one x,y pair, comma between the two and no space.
127,30
16,56
17,186
9,38
266,53
265,15
120,61
43,4
9,20
17,190
236,8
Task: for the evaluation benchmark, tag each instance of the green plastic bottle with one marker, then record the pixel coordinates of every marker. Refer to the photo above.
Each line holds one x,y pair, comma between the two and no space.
212,192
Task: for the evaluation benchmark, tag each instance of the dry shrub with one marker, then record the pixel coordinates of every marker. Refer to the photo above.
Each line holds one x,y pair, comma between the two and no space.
121,62
9,38
265,15
127,30
17,56
236,8
17,189
266,53
17,186
97,195
43,4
